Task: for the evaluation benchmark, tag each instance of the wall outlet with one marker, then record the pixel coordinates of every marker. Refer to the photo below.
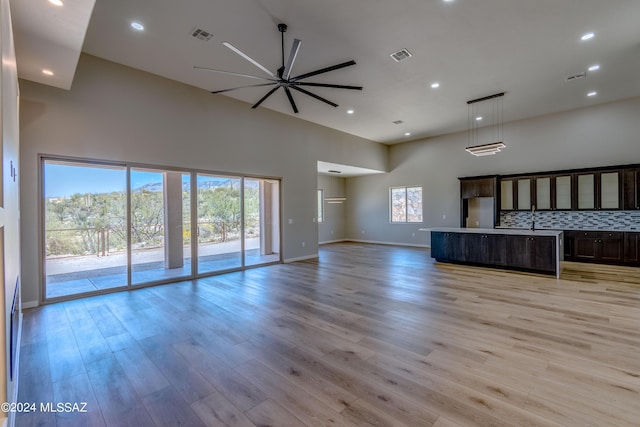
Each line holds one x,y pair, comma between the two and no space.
444,216
303,244
290,221
314,219
332,232
362,232
413,234
477,222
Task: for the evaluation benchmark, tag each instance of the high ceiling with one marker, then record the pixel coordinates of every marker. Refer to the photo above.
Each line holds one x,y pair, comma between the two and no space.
473,48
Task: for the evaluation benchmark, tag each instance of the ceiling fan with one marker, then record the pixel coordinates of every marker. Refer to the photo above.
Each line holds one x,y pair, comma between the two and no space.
283,78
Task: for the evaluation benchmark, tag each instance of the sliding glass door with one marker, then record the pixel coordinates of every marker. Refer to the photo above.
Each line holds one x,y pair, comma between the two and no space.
160,225
262,221
219,223
114,226
85,227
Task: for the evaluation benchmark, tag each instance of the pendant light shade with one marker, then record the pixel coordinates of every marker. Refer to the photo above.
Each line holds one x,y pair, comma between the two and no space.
485,140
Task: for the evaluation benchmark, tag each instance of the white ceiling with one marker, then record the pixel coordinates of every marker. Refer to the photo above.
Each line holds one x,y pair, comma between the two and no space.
49,37
474,48
344,171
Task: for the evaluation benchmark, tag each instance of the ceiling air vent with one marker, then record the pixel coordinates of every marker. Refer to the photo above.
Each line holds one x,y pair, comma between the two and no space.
578,76
397,122
401,55
201,34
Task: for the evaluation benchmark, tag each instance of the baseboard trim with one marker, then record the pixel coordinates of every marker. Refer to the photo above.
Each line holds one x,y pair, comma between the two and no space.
301,258
30,304
376,242
326,242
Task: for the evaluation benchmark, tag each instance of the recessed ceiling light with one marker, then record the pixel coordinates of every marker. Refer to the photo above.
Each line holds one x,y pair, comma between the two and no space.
56,2
435,85
587,36
137,26
407,134
594,67
350,111
47,72
478,118
594,93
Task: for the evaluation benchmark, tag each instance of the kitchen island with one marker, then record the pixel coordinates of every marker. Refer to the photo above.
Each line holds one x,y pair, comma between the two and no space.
539,251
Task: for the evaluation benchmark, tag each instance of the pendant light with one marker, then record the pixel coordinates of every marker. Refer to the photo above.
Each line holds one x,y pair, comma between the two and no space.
485,140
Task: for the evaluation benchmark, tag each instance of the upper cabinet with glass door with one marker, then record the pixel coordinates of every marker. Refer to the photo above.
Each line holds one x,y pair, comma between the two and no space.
515,193
599,190
553,192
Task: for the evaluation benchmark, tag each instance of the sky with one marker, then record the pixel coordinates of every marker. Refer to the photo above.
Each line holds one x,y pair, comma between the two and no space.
66,179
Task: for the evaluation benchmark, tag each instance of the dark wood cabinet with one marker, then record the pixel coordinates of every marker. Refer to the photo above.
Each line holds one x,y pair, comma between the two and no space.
447,246
521,252
631,189
598,246
487,249
477,187
531,252
569,244
473,187
632,248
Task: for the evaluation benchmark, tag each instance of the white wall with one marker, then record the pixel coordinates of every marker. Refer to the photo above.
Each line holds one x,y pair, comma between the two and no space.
602,135
10,174
117,113
334,225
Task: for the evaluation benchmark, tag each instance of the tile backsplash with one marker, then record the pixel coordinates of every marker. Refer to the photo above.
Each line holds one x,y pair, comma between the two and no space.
573,220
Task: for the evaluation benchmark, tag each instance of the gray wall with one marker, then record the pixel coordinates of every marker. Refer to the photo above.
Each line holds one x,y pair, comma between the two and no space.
335,214
10,176
602,135
117,113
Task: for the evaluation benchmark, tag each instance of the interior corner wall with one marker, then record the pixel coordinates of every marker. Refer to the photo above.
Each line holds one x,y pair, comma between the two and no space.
113,112
10,173
333,226
602,135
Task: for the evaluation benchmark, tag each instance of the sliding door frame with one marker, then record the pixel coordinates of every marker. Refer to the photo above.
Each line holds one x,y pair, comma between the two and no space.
193,173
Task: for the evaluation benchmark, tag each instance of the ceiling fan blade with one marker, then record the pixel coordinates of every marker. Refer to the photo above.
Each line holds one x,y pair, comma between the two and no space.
324,70
329,85
313,95
265,97
293,104
292,57
241,87
248,58
232,73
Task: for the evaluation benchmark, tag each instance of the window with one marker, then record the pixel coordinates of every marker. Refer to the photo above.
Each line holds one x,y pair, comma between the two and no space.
320,206
406,204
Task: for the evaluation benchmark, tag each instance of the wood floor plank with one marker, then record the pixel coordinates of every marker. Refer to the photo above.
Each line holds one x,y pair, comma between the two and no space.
181,375
269,413
78,393
118,401
235,388
295,400
365,335
215,410
167,408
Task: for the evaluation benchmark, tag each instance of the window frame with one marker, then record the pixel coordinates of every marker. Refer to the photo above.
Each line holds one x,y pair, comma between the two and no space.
406,190
320,202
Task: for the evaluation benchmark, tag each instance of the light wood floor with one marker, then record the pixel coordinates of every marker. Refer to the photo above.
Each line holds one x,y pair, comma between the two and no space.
368,335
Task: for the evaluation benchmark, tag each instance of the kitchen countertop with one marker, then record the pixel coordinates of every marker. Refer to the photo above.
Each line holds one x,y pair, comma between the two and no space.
510,231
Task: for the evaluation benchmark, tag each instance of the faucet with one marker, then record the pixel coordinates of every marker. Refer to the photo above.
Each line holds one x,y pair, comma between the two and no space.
533,218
